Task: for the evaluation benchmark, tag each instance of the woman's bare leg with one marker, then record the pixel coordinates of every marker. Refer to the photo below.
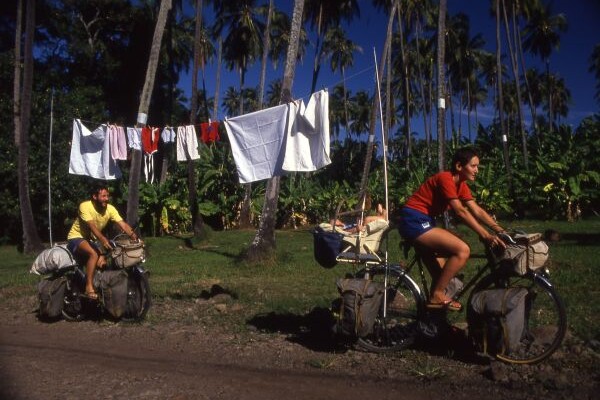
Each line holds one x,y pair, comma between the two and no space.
445,244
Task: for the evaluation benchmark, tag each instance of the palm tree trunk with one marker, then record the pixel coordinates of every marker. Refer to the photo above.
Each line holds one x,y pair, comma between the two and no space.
441,93
265,54
515,68
317,61
197,222
504,134
22,115
263,245
405,92
218,78
136,157
422,91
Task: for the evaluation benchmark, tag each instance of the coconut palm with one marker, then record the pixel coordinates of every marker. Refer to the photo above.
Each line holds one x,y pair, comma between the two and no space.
243,43
595,69
263,245
22,115
325,14
136,157
500,97
542,35
340,50
441,91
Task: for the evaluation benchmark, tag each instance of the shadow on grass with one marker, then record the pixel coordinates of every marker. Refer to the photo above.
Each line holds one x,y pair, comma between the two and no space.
582,239
312,330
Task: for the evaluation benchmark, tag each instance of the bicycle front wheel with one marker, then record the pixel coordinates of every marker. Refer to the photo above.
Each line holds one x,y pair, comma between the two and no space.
138,298
396,323
545,316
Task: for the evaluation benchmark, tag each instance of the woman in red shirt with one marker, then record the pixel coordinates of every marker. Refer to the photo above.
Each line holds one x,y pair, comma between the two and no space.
444,253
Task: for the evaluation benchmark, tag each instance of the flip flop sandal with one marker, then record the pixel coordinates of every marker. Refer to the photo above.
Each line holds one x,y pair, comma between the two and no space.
90,295
450,305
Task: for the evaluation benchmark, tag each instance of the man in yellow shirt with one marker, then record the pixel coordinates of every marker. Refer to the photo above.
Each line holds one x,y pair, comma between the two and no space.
93,216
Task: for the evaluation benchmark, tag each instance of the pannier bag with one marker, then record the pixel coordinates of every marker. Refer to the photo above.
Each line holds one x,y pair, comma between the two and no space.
52,260
529,253
51,294
361,300
126,253
496,320
113,290
327,246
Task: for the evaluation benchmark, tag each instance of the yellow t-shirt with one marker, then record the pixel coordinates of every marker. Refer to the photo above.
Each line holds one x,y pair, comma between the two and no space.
87,213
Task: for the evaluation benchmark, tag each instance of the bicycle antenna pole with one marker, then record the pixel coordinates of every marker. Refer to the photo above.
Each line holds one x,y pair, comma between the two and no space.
383,136
50,168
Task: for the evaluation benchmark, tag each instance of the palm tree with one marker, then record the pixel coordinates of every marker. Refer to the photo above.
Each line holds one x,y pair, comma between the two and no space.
511,40
542,34
595,69
341,50
263,245
325,14
280,38
243,43
441,91
136,157
241,47
500,97
266,49
22,115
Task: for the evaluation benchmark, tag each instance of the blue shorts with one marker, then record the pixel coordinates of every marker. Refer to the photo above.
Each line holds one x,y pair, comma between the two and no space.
414,223
73,244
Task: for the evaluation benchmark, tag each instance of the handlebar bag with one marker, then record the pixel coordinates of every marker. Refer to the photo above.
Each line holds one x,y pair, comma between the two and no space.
126,253
529,253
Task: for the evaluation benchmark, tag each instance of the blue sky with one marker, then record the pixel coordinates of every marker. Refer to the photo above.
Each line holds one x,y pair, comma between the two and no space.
570,61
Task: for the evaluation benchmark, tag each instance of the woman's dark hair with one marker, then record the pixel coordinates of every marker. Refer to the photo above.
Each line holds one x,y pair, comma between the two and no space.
462,157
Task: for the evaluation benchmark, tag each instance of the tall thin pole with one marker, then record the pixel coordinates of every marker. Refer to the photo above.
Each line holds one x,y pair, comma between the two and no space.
50,167
383,135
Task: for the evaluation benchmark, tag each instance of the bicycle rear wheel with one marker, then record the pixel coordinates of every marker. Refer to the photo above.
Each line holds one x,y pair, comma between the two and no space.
396,324
545,316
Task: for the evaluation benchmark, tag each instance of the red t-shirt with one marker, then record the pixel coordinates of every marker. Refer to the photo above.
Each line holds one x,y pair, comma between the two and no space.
433,197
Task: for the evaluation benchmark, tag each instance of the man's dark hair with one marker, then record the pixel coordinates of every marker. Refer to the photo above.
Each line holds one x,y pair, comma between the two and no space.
96,187
462,157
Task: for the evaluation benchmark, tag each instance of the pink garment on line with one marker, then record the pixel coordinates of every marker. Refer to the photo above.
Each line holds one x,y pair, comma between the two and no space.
117,142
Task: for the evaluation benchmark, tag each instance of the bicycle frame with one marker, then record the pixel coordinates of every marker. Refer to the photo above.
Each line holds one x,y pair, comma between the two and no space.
488,267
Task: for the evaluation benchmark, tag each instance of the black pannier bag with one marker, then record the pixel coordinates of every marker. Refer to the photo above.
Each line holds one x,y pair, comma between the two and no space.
360,303
51,295
327,246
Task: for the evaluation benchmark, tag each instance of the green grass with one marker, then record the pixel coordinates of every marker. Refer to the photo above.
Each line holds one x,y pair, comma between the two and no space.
296,284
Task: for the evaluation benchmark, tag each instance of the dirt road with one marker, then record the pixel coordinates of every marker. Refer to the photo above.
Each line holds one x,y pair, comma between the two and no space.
104,360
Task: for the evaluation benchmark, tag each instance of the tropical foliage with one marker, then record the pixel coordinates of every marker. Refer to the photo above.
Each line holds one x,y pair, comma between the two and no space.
90,59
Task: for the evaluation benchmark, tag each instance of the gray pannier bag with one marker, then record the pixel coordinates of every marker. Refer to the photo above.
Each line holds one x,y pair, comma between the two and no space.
361,300
113,291
529,253
51,294
496,320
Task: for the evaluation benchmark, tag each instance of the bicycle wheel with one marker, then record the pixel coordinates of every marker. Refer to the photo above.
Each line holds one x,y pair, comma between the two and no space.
545,316
396,325
73,307
138,297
